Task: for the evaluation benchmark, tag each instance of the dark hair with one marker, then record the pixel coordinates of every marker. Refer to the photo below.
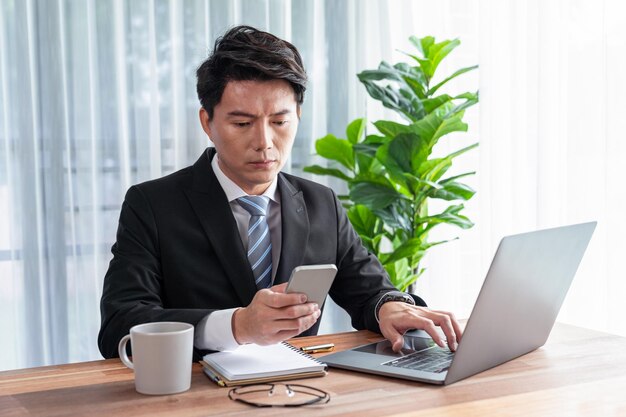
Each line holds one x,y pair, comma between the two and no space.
245,53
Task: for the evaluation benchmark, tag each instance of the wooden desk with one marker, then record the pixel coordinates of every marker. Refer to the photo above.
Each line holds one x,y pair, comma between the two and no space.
578,372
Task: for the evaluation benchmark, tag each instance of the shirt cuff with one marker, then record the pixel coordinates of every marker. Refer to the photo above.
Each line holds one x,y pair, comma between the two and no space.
215,331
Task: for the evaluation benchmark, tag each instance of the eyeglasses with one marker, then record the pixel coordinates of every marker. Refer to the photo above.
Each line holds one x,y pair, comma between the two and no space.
278,395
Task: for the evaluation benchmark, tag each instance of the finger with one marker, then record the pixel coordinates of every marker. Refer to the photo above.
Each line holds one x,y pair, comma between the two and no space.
280,336
286,334
429,327
299,324
280,288
279,300
457,328
394,336
444,322
299,310
454,337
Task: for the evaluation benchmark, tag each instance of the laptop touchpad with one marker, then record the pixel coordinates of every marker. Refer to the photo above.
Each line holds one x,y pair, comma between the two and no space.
412,344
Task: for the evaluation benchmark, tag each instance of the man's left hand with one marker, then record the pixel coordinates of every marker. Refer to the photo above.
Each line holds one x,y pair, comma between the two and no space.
395,318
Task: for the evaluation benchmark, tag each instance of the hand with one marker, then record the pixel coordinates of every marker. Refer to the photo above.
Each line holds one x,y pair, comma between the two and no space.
397,317
274,316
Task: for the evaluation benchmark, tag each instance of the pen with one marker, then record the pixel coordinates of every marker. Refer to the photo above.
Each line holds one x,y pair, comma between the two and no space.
328,347
213,377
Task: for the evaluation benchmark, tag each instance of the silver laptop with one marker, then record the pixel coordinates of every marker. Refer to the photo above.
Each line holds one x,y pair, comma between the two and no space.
513,315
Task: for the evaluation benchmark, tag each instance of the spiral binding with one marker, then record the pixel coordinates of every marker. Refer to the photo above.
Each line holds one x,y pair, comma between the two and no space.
295,349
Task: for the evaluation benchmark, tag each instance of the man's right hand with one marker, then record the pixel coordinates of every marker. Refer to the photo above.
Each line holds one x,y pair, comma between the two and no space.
274,316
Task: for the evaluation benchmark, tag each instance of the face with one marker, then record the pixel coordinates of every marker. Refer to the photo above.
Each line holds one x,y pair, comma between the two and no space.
253,129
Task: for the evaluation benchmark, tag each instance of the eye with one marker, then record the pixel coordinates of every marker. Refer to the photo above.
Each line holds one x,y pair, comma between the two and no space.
281,122
241,124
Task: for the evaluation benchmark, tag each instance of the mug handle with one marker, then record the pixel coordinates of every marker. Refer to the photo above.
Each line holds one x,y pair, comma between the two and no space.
121,348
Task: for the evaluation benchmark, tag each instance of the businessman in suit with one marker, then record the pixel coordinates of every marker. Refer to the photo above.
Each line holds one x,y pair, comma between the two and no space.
213,244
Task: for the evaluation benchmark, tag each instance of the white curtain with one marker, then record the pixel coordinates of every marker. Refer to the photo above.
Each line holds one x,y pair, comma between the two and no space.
552,148
96,95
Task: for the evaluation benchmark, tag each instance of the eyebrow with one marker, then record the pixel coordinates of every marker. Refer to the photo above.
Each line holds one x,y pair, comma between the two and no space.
240,113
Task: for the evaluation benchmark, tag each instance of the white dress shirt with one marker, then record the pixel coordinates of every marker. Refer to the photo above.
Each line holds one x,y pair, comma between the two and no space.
214,332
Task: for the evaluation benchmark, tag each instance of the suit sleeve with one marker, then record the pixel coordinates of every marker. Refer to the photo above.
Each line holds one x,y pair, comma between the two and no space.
132,291
361,279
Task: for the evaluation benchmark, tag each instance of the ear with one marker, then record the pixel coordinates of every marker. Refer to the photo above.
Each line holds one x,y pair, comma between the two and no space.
205,121
299,111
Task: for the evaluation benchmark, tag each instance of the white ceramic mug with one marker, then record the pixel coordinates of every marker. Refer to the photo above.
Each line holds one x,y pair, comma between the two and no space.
162,355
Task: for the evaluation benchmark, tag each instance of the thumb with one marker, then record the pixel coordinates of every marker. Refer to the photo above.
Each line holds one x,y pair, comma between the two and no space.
397,343
395,338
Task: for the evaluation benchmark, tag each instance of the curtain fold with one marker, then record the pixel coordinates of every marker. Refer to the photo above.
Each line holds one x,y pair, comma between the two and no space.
98,95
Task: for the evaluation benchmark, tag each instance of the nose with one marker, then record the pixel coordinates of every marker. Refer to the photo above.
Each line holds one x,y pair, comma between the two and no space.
263,137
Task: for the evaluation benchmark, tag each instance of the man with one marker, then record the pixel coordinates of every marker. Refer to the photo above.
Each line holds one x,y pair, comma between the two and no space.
214,243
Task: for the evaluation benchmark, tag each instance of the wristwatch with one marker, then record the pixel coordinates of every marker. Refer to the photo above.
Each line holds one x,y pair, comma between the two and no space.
392,296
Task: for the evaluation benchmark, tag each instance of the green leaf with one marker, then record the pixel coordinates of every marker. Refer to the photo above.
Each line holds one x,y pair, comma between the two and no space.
434,169
417,109
373,195
450,215
365,157
437,52
433,103
396,216
384,72
333,172
375,140
456,177
413,78
407,249
462,151
390,98
355,130
454,75
363,220
391,129
418,185
453,191
423,44
413,146
471,99
408,72
418,88
404,283
449,125
365,149
432,127
340,150
404,153
468,95
398,272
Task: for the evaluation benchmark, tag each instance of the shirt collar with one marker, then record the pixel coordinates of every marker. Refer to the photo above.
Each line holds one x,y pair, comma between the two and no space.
233,191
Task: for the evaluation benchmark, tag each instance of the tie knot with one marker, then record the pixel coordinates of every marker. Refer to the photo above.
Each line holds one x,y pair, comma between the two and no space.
256,205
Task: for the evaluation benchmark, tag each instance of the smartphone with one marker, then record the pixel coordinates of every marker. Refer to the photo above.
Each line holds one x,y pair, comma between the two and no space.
312,280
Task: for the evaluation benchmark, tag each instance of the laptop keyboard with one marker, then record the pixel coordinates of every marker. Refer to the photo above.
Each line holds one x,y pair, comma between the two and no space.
432,360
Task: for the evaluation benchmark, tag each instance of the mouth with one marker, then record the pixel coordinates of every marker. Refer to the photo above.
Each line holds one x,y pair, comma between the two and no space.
262,164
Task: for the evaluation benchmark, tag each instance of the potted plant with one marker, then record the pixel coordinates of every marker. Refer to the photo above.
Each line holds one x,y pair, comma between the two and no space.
390,173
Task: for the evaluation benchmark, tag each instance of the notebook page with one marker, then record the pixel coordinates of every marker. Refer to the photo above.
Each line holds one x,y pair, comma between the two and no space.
249,361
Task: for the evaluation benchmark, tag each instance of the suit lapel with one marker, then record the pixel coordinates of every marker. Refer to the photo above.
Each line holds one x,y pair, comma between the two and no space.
209,202
295,229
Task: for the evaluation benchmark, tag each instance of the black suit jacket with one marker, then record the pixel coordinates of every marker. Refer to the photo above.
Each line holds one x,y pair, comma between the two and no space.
179,256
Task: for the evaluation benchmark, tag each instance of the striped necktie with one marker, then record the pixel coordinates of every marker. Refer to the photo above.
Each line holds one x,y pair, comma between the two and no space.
259,243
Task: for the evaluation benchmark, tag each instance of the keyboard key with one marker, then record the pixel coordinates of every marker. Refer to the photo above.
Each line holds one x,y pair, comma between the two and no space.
431,360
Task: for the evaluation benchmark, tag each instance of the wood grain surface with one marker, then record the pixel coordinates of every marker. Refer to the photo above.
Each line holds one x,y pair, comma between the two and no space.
579,372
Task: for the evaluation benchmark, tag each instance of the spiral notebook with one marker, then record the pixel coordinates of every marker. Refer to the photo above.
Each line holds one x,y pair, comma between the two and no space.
253,364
